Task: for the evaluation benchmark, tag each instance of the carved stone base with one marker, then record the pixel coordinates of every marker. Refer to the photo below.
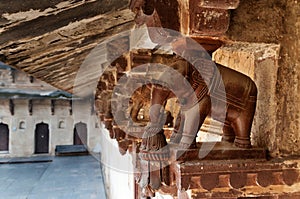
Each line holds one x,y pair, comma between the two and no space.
230,172
238,178
217,151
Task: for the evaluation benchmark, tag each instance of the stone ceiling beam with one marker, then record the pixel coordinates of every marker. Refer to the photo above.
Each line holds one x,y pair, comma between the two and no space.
50,40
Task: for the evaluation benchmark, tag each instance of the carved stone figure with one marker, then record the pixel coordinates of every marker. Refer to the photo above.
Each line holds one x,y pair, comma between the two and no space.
240,101
240,90
139,100
217,91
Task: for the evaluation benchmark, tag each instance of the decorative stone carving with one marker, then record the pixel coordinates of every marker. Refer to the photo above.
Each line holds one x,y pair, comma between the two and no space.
226,87
237,178
154,152
240,101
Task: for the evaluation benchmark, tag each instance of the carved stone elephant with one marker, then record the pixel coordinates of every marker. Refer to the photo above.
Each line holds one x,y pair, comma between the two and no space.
239,101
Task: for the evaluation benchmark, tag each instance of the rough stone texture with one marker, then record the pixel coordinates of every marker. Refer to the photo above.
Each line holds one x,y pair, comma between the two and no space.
199,18
57,35
276,21
260,62
222,4
208,21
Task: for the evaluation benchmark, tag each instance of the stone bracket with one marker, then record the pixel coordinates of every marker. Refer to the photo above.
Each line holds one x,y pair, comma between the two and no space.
11,107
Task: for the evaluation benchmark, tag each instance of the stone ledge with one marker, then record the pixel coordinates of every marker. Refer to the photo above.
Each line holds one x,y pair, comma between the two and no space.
220,151
238,178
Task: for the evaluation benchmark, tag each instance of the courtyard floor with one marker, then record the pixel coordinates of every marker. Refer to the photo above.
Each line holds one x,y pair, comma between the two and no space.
74,177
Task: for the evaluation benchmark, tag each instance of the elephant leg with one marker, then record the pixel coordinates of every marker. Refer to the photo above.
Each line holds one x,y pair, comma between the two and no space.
178,129
228,132
135,110
242,125
194,119
241,129
153,138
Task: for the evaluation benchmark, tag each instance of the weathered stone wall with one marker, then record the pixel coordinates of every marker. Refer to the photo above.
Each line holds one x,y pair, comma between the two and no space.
22,115
61,125
259,61
276,21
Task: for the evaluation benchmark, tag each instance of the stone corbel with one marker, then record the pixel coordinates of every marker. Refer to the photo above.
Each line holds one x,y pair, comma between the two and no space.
11,107
52,107
71,107
92,107
30,106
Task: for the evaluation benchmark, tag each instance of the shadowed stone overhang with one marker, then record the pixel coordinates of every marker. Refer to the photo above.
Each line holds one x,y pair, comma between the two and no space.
49,39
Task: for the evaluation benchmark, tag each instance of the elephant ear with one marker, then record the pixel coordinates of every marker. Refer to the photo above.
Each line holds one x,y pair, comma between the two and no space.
174,77
207,69
180,66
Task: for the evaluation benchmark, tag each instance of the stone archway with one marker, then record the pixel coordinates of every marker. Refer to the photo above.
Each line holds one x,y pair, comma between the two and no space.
41,138
4,137
80,134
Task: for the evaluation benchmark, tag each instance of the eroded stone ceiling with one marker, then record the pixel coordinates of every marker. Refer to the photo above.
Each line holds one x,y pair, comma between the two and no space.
49,39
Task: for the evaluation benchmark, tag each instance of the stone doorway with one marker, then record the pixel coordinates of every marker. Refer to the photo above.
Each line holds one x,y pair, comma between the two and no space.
42,138
80,134
4,137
